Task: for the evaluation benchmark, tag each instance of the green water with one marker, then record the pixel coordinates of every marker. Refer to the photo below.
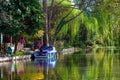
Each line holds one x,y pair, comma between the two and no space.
100,64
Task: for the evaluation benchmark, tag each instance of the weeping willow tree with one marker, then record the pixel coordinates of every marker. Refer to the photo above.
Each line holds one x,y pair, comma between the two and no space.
69,23
107,15
69,30
96,26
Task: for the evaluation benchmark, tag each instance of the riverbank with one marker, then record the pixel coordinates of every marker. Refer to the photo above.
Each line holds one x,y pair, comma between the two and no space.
13,58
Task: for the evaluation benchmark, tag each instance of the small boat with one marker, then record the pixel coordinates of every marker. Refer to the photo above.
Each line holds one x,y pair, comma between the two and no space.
44,51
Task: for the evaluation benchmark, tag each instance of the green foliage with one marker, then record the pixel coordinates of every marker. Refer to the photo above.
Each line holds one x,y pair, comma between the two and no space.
71,24
18,53
4,16
108,18
27,53
100,27
67,31
25,16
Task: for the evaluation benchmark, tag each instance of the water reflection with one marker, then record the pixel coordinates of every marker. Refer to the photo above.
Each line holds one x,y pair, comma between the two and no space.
99,64
27,69
42,62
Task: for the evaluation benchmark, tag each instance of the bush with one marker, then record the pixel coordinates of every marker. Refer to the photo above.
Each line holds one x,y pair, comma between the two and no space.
18,53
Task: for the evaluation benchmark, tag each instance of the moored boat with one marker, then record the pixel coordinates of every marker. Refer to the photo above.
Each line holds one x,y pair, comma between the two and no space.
44,51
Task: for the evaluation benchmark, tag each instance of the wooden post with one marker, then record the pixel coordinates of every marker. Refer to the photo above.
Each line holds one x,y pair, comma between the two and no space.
10,40
1,41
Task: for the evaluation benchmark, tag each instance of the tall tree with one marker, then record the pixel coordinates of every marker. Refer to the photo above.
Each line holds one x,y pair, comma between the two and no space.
50,5
25,17
46,42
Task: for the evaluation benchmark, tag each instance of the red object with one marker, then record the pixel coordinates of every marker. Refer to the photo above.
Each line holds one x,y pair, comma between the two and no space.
39,44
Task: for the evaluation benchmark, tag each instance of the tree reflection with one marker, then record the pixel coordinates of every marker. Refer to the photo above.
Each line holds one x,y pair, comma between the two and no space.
102,64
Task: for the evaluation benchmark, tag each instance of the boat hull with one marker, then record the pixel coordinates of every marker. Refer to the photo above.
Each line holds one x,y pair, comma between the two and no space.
38,54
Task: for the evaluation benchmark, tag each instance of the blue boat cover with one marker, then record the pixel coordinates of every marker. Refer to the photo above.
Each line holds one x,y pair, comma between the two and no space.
47,48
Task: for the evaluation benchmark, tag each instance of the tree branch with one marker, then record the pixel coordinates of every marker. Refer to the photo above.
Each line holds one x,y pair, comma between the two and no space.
63,21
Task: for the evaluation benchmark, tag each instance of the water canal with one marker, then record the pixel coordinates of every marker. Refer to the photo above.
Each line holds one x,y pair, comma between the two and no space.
100,64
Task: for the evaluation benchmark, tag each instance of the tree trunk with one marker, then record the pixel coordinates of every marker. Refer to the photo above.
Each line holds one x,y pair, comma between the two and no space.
50,14
45,37
16,38
16,43
10,40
